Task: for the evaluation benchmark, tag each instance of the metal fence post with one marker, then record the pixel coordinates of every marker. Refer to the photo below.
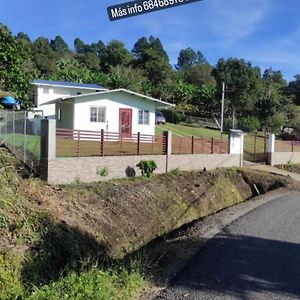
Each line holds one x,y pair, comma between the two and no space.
167,136
255,140
6,123
25,135
78,143
48,146
212,145
13,124
138,143
102,143
193,144
1,126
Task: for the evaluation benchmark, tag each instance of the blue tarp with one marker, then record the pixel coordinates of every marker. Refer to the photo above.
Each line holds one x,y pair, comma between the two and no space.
10,101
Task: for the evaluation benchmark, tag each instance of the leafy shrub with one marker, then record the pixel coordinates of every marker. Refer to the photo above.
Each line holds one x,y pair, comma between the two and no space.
147,167
10,282
249,123
172,116
94,284
175,172
103,172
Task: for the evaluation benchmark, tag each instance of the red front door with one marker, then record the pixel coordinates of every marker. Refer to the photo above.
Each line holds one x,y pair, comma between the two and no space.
125,121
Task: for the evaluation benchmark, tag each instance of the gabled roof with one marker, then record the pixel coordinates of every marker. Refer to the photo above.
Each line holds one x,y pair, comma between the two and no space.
74,85
72,98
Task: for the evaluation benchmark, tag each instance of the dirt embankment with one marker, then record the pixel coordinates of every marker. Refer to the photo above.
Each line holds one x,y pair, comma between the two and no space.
127,214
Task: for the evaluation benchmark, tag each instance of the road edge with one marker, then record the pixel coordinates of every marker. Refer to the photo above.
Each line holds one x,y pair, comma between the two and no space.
221,220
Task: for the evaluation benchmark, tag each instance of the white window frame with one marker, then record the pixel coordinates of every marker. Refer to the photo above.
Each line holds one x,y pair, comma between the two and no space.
97,119
145,120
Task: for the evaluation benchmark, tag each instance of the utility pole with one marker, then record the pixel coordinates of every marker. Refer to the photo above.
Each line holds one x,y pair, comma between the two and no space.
222,107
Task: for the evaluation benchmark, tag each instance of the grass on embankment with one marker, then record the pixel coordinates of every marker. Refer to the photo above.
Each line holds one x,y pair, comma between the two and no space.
68,242
186,131
42,257
290,167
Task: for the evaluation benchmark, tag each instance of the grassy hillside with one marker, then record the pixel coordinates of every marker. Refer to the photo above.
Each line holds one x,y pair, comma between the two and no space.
186,131
43,257
68,242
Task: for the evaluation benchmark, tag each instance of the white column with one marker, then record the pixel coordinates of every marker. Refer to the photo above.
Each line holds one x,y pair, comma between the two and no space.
271,148
236,141
168,135
271,143
236,144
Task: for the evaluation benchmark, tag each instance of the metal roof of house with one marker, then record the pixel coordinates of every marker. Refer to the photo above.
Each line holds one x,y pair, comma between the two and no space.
110,92
67,84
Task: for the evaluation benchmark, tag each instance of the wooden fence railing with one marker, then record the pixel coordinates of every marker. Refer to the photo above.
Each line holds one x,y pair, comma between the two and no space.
79,143
195,145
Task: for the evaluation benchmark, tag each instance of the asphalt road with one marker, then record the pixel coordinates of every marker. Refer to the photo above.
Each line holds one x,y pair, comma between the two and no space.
256,257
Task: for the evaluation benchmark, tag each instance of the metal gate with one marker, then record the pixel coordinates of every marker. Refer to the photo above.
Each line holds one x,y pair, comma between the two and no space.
255,148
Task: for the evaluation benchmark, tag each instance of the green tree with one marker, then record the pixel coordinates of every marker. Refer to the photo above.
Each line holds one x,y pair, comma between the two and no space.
115,54
243,84
44,57
151,57
59,45
128,78
72,70
293,89
12,76
207,100
188,57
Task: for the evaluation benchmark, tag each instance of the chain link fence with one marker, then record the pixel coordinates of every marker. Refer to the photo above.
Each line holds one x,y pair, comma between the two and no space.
20,132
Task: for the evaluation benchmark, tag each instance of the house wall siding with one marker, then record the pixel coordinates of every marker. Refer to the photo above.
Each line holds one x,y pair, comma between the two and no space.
113,104
55,93
68,170
67,115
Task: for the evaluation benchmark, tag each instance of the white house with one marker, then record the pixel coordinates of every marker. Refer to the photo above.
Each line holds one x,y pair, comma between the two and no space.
119,110
47,90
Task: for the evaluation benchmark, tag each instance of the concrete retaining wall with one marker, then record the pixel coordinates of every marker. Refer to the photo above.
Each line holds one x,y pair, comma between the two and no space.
278,158
85,169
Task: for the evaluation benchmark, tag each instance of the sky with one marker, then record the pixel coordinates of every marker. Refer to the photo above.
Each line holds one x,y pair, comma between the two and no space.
265,32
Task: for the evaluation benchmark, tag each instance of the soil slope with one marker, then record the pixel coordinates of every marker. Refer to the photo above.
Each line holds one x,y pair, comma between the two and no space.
121,216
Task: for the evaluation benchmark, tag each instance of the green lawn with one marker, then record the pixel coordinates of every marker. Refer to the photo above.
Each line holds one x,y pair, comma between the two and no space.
31,143
185,131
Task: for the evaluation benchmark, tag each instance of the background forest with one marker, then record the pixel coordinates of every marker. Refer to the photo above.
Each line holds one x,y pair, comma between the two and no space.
255,99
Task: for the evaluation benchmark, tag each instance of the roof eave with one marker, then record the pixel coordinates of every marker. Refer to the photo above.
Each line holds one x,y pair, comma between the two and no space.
67,86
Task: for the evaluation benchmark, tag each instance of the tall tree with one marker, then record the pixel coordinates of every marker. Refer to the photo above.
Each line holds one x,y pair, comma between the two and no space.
59,45
293,89
194,68
44,57
153,59
79,46
243,84
115,54
12,76
188,57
